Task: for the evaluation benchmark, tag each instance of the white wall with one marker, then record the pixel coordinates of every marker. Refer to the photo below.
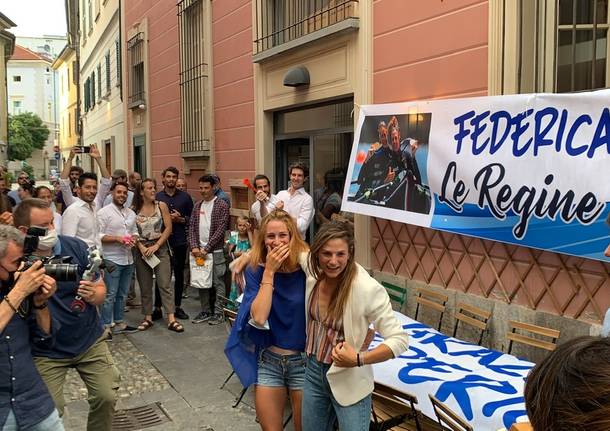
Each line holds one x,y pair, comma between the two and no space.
38,93
105,121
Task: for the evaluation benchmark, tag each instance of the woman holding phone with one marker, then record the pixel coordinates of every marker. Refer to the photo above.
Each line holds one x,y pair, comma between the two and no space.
152,253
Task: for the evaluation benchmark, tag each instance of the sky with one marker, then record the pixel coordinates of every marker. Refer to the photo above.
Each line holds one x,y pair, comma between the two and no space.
35,17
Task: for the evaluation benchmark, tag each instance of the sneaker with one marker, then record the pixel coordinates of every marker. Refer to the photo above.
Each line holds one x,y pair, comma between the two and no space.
157,314
185,295
217,319
204,316
120,329
180,314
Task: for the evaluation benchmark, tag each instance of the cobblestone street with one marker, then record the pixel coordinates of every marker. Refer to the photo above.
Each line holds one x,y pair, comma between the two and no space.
182,372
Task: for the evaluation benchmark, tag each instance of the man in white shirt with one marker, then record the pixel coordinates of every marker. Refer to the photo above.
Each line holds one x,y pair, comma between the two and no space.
80,217
296,201
120,176
265,200
118,233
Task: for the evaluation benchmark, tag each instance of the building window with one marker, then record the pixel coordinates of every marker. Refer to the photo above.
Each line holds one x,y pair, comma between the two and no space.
193,76
548,46
16,78
90,15
139,155
97,10
108,73
69,125
92,89
99,83
87,94
281,21
135,48
117,47
17,106
582,45
83,32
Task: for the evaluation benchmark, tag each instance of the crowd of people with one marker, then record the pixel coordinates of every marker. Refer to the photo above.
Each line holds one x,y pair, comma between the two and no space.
307,310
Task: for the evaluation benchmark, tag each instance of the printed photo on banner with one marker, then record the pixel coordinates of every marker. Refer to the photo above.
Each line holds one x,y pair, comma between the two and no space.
525,169
390,166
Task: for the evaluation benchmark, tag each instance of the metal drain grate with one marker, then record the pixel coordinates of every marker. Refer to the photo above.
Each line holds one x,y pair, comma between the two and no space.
139,418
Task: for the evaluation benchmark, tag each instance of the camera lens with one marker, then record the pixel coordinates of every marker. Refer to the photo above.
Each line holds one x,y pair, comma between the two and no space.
62,271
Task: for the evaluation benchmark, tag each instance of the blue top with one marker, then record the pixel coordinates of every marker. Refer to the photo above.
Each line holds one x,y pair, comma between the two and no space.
78,331
181,202
21,387
286,322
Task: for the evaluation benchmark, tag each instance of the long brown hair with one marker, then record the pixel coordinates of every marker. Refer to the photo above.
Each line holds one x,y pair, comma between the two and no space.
343,230
258,254
138,198
570,389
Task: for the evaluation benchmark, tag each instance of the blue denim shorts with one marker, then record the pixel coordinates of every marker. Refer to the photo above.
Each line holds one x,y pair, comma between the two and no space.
275,370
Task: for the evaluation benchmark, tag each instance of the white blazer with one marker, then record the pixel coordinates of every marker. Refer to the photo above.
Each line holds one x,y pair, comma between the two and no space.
368,303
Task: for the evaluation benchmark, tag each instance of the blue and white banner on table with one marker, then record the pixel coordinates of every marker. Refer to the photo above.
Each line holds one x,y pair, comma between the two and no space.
529,169
483,386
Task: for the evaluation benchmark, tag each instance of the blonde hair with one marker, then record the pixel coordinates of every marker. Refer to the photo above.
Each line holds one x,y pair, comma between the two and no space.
258,254
343,230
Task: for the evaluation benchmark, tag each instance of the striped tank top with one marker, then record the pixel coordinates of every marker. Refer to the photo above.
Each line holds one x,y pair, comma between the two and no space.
322,336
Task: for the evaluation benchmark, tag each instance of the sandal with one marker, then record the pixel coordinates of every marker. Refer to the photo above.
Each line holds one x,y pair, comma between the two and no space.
145,325
175,326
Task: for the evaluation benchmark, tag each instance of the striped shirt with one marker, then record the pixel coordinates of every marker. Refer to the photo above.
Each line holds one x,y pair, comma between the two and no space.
322,336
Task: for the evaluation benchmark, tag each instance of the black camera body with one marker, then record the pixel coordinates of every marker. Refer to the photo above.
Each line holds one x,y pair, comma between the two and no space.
58,267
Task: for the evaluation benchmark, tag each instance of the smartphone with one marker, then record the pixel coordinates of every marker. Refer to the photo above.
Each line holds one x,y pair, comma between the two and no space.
82,149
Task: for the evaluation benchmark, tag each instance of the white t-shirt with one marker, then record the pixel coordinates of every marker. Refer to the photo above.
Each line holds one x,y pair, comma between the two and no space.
205,221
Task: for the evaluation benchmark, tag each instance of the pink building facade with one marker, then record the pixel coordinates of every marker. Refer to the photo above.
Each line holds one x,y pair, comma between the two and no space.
359,52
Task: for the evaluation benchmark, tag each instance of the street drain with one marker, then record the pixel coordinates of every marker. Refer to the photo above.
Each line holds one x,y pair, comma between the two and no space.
139,418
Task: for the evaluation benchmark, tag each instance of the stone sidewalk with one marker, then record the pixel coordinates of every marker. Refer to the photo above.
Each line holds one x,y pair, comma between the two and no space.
182,372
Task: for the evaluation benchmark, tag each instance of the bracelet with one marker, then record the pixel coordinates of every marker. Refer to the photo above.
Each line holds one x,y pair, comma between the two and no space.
41,306
358,359
270,284
10,304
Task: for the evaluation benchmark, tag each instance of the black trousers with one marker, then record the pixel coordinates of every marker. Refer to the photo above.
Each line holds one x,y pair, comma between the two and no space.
178,260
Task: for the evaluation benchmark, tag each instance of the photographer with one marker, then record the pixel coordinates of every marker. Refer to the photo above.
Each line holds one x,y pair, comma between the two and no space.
80,341
25,402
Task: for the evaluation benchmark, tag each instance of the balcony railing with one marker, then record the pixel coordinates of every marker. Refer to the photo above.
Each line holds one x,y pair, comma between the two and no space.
281,21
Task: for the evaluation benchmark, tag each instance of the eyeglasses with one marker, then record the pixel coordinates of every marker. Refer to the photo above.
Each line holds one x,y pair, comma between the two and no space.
23,178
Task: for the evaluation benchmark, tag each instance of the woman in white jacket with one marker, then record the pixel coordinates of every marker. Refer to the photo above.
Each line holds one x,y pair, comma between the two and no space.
342,301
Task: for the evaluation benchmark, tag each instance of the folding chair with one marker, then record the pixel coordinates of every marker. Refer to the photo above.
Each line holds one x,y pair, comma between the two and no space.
230,317
515,337
430,299
391,407
447,418
397,294
473,316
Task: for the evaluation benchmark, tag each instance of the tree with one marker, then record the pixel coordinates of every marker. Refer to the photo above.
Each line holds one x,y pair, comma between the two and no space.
26,133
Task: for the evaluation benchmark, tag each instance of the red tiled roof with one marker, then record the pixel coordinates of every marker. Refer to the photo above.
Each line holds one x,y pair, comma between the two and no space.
22,53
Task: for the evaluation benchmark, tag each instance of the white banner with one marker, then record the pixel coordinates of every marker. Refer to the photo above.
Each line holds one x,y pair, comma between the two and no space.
531,169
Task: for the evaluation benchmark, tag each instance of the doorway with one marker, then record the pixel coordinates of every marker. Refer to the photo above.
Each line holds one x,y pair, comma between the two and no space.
321,138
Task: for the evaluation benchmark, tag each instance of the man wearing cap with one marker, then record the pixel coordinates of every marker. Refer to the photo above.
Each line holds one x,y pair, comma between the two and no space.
120,176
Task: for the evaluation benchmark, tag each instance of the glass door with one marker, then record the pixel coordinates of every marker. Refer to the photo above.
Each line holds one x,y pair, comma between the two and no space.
327,174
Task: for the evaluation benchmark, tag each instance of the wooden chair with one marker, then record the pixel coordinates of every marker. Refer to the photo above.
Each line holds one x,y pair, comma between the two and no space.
473,316
391,408
397,294
230,317
430,299
515,337
447,418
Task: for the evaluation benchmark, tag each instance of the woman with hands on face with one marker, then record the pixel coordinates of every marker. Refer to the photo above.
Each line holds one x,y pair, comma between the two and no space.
268,338
154,228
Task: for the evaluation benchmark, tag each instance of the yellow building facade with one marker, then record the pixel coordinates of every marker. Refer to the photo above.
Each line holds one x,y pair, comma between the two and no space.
65,65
